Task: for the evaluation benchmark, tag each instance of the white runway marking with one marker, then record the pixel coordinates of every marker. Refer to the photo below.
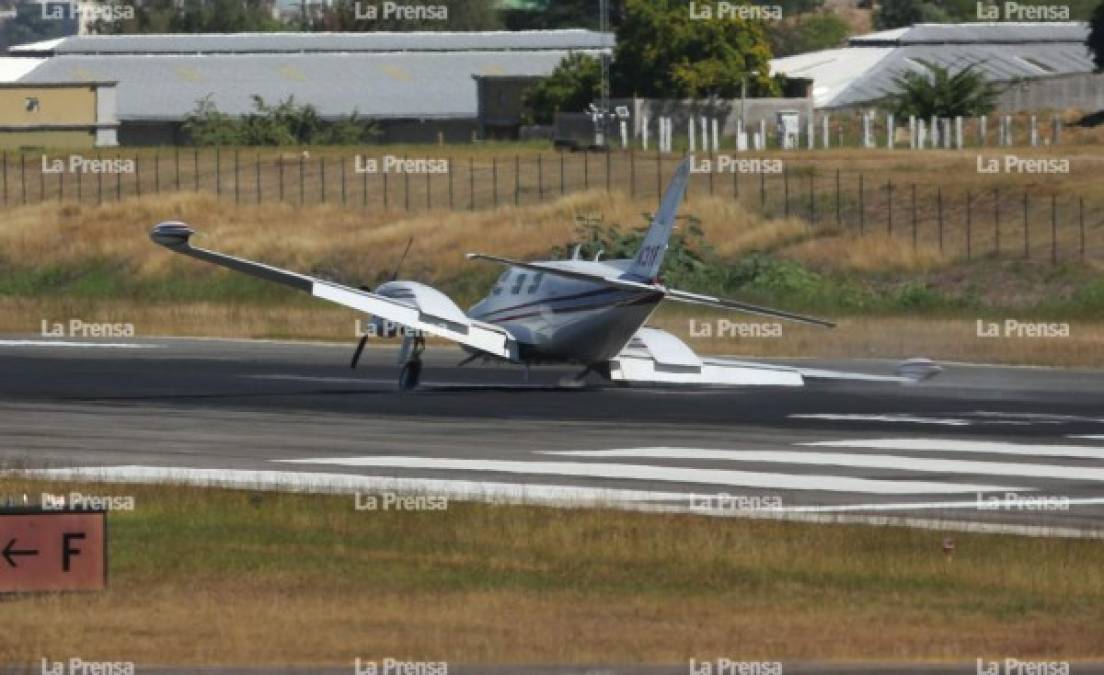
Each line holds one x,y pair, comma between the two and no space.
64,343
907,419
549,495
958,445
1088,437
751,479
301,481
863,461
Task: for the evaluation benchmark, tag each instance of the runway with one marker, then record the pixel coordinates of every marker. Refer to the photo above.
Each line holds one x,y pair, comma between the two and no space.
979,448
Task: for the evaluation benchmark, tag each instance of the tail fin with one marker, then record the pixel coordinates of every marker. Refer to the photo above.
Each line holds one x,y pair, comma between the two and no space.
646,264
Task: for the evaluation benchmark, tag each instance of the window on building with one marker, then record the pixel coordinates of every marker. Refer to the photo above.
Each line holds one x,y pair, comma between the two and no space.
31,104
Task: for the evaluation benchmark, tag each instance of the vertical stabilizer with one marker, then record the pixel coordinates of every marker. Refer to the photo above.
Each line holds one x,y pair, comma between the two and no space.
648,260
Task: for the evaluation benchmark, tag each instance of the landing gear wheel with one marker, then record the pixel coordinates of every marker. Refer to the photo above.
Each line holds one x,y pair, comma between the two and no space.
409,376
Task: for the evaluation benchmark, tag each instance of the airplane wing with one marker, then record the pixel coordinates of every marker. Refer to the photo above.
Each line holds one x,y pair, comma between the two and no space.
670,293
420,307
655,356
722,303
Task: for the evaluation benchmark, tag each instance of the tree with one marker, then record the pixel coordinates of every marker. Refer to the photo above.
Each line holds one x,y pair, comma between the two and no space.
662,52
574,84
1096,36
286,123
31,25
808,33
193,16
939,93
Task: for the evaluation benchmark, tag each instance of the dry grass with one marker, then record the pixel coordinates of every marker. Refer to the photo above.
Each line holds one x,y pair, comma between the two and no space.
215,577
342,242
872,253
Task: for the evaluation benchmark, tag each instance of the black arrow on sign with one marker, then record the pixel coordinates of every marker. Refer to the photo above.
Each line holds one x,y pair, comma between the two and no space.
10,552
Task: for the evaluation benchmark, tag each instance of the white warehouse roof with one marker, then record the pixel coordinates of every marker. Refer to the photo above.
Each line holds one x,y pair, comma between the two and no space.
864,70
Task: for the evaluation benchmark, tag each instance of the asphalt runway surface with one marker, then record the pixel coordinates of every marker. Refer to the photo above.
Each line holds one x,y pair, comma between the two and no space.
979,448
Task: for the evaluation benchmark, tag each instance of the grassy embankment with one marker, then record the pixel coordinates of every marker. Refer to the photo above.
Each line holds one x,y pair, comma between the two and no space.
212,576
96,263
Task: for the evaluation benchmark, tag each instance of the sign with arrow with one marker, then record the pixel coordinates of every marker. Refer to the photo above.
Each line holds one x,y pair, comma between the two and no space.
53,551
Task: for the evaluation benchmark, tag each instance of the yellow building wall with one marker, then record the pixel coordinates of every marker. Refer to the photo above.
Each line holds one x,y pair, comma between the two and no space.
56,105
76,138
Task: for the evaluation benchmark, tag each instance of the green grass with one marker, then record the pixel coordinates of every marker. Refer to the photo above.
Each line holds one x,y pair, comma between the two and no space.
185,552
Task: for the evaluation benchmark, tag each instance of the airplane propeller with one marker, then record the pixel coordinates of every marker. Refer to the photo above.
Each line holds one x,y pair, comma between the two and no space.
364,339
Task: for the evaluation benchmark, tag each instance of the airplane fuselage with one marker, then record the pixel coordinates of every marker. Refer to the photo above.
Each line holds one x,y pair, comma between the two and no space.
556,318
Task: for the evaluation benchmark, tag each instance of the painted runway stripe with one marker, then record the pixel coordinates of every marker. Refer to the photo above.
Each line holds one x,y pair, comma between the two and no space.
753,479
1088,437
958,445
919,506
341,483
548,495
905,419
862,461
85,345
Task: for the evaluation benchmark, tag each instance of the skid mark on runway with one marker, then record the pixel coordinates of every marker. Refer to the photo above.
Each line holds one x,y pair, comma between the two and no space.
723,477
963,445
863,461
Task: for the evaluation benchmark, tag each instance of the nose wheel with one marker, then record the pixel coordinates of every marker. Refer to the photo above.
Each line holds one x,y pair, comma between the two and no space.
410,356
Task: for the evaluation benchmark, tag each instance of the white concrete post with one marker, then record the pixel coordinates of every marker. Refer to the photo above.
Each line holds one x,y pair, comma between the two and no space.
921,134
716,126
825,129
692,135
1055,130
1034,133
912,132
958,132
947,140
983,122
762,134
933,129
891,131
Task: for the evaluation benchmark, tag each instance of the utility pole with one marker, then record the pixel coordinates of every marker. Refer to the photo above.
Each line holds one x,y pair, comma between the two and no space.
604,104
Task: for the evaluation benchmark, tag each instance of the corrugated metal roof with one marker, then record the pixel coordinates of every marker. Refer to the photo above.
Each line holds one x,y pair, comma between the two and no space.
382,85
244,43
866,70
1004,32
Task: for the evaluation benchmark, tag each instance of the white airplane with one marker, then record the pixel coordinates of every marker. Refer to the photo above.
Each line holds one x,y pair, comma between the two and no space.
589,313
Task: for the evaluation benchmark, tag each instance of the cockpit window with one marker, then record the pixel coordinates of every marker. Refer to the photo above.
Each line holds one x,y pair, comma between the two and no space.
536,282
501,283
519,281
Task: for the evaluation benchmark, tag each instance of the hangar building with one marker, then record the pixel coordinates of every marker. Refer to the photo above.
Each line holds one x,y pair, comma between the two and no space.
419,86
1045,64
